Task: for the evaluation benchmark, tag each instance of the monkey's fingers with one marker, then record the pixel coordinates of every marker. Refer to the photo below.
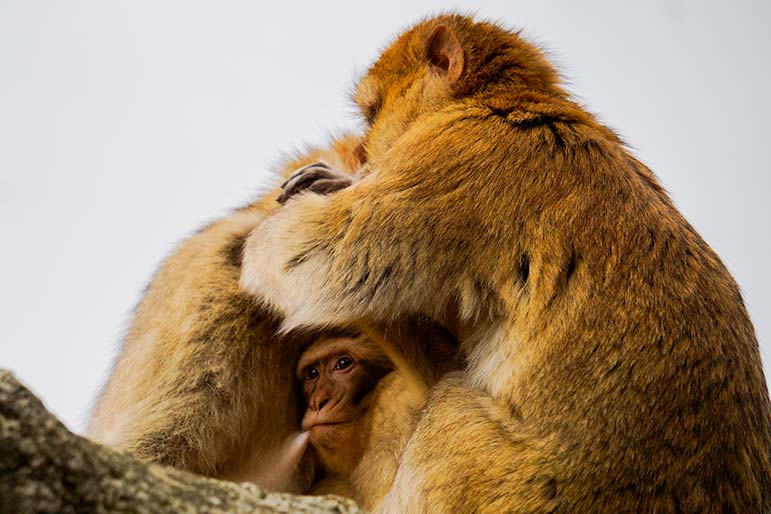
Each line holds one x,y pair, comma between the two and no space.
328,186
304,169
301,181
320,180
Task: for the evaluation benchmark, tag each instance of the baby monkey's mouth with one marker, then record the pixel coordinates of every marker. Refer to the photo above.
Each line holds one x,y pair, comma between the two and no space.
337,417
328,435
326,428
323,427
325,421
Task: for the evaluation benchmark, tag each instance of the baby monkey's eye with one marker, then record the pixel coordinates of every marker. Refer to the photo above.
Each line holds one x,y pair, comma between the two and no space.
311,373
344,362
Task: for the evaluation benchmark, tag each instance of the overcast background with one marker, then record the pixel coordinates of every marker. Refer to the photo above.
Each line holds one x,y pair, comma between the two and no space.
126,125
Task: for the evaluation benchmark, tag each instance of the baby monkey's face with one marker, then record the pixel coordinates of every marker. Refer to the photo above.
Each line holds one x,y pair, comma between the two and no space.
337,376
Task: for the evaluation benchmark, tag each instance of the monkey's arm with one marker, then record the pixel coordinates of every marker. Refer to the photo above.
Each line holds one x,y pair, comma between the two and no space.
396,242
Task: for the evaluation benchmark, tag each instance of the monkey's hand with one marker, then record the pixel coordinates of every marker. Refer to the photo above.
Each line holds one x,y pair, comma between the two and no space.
318,178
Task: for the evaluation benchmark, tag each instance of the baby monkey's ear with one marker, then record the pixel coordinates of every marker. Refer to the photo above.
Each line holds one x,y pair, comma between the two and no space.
445,52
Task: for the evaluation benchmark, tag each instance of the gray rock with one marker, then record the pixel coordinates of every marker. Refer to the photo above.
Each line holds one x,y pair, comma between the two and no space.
46,468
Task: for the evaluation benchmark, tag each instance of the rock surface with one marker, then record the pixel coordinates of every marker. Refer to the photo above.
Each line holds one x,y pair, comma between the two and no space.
46,468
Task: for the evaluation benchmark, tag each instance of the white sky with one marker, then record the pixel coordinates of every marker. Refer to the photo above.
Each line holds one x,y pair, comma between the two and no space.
124,125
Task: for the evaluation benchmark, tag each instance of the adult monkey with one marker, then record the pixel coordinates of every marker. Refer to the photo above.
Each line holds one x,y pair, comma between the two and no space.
201,368
611,362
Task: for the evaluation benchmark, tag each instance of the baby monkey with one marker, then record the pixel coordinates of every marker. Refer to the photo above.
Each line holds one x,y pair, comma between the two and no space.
362,400
338,377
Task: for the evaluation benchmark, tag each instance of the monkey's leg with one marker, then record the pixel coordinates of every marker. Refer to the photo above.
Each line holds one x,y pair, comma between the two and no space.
469,454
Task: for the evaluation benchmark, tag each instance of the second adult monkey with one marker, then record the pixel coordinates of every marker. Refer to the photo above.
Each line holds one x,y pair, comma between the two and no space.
612,366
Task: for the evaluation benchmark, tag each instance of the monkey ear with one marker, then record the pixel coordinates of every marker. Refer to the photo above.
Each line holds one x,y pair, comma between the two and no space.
445,52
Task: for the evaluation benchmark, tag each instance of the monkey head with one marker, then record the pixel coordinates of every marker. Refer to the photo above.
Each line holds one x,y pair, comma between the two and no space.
436,63
337,376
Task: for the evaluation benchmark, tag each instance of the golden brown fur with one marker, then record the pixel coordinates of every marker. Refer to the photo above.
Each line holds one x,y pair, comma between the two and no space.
201,368
611,363
390,422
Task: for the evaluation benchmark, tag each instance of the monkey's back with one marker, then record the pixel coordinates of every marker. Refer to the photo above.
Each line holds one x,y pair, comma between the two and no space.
647,362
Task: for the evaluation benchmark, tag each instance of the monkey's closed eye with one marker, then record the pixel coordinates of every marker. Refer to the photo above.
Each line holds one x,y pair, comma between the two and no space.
343,363
311,373
369,114
370,111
